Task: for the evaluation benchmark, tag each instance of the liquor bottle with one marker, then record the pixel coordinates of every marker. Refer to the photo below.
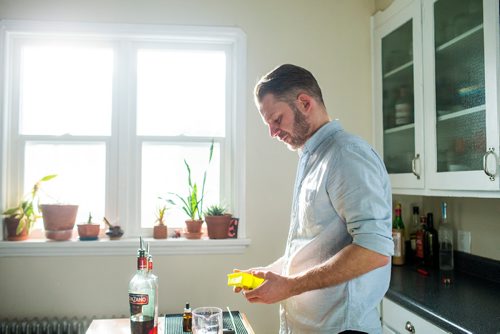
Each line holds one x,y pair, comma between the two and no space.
431,245
415,226
445,246
398,236
141,296
420,243
187,319
154,281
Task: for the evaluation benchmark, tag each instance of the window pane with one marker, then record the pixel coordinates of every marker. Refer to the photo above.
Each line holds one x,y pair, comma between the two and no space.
66,90
164,172
80,169
181,92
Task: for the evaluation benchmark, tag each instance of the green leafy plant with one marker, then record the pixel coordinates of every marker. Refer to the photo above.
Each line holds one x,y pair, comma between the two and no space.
192,204
27,211
215,210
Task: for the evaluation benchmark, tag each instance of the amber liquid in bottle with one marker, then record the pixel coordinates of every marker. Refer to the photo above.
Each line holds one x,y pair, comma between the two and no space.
398,236
187,319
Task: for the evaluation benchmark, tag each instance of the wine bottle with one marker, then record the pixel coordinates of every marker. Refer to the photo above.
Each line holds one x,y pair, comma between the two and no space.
431,243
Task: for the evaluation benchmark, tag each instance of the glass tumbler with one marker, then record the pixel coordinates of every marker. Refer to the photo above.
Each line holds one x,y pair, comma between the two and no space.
207,320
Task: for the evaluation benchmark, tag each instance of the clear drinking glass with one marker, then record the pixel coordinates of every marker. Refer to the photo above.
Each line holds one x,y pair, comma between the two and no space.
207,320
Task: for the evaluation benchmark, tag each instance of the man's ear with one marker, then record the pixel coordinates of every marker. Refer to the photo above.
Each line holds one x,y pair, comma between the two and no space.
305,102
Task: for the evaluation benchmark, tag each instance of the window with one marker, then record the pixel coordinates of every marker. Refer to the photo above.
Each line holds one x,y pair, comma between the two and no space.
114,110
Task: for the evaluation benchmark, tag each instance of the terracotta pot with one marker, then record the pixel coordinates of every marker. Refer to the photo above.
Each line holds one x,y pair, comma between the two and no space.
218,226
160,232
88,231
59,220
194,226
11,224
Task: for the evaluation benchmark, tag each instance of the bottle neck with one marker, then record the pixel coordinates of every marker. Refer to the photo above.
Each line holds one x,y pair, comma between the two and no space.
142,263
150,265
444,215
397,212
430,221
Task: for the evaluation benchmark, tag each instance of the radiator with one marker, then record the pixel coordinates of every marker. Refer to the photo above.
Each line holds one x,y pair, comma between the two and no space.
45,326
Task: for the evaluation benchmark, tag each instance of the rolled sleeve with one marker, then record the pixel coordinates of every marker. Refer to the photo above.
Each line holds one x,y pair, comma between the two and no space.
359,190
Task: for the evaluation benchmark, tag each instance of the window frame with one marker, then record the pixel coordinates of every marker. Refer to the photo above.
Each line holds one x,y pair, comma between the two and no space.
125,38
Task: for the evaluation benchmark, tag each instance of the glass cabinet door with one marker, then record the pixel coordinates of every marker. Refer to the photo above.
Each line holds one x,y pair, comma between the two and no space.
460,107
398,107
460,85
398,96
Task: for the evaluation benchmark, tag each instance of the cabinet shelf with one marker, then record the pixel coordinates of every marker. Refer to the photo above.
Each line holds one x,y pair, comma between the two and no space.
399,128
459,38
398,69
450,115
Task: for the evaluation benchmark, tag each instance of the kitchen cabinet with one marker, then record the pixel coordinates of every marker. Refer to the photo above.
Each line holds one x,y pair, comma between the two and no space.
436,117
396,319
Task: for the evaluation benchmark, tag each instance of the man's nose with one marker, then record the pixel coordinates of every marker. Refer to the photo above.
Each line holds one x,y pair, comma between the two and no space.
273,131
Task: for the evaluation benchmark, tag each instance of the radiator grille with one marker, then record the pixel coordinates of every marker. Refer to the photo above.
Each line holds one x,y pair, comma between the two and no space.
45,326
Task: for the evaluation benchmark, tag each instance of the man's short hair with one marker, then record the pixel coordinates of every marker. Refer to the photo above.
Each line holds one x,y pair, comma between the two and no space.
286,82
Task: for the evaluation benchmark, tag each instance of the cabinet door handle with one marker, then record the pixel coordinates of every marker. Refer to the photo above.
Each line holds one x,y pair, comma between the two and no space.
414,166
409,327
491,151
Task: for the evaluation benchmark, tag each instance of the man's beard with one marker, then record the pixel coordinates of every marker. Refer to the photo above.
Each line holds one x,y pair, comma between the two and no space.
300,130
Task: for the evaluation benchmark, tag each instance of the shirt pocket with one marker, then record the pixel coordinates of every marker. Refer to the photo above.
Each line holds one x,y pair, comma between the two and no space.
308,225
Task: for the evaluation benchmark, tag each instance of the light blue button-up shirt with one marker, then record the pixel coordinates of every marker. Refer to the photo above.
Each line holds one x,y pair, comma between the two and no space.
342,195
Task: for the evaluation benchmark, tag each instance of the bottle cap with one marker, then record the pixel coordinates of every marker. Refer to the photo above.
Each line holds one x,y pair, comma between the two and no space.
416,210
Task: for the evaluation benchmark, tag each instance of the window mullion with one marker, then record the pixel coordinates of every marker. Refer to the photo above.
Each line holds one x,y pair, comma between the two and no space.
112,148
15,143
128,153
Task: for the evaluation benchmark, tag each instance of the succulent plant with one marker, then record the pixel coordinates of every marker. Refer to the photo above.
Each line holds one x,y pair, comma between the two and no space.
215,210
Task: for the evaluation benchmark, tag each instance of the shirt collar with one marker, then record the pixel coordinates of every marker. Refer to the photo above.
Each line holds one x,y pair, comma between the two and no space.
319,136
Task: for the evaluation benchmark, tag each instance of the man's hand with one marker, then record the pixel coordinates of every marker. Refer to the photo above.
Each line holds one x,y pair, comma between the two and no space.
274,289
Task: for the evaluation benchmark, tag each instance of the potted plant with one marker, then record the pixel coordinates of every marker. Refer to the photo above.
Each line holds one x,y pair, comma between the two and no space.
217,221
192,204
20,219
160,231
89,230
59,220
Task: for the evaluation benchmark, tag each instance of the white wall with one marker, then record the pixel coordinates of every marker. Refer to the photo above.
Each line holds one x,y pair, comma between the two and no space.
331,38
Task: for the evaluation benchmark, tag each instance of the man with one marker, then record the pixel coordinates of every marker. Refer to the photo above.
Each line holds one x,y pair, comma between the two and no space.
336,266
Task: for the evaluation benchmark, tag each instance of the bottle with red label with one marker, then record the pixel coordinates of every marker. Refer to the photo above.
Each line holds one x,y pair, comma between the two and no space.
398,236
141,296
420,243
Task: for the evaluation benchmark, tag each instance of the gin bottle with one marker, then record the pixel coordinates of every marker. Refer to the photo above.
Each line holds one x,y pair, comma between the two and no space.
445,246
141,296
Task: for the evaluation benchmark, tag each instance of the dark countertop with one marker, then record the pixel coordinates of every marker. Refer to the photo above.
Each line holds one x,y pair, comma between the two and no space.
469,305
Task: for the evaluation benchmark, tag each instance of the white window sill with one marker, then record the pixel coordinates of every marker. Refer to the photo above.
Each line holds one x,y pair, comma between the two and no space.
121,247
